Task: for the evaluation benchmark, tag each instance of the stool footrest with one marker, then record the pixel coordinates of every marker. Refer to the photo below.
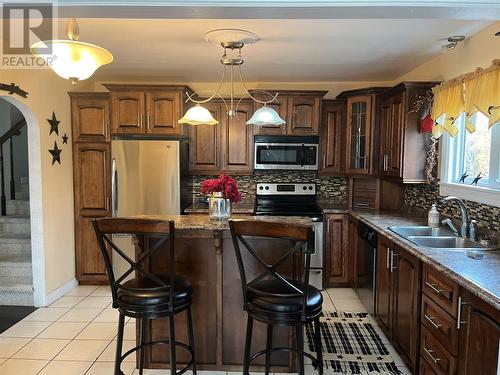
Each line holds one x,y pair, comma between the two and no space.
282,349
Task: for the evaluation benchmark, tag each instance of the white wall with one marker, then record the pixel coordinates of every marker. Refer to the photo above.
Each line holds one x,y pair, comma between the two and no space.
54,203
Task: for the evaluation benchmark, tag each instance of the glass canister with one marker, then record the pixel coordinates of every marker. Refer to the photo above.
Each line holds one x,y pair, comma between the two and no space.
219,207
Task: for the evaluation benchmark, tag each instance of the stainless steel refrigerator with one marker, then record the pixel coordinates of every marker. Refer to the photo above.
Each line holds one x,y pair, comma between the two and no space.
148,178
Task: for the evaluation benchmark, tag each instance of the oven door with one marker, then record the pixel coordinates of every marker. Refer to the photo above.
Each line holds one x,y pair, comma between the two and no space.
291,156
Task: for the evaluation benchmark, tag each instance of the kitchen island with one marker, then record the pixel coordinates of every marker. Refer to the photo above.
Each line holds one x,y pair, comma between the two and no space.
205,255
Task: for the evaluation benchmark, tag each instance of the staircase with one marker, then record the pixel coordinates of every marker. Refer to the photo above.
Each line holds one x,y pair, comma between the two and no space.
16,280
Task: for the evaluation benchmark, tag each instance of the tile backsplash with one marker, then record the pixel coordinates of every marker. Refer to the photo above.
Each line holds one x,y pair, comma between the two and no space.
334,188
422,196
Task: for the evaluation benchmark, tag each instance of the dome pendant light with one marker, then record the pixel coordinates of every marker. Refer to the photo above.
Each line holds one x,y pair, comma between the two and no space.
70,58
232,41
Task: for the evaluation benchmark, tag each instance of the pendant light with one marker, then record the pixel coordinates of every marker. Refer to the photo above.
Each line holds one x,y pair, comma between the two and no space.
232,41
70,58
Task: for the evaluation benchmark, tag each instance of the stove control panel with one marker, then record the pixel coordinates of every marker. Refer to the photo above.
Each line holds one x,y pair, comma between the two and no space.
286,189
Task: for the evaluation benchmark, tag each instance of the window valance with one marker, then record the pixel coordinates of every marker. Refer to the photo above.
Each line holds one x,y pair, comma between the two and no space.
468,94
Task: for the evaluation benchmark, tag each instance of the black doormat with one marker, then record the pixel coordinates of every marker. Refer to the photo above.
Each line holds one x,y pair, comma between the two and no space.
10,315
351,345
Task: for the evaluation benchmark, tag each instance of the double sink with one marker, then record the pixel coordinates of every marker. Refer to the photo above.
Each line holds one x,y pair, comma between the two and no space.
437,238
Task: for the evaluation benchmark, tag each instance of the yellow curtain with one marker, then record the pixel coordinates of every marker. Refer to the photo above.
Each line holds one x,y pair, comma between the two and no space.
470,93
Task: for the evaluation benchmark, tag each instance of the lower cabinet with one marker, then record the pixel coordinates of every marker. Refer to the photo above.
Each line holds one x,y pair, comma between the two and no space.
336,253
383,284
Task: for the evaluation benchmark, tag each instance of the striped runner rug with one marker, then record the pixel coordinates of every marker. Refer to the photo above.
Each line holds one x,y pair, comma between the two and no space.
351,345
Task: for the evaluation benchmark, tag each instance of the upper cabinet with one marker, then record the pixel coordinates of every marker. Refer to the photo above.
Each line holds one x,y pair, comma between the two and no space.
332,136
223,148
90,116
147,109
403,148
361,131
300,109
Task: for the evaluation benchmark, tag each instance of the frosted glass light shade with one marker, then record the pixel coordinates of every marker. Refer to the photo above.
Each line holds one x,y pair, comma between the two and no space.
265,116
198,115
71,59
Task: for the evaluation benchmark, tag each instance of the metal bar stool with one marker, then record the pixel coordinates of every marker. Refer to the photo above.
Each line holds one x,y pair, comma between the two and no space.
274,299
146,296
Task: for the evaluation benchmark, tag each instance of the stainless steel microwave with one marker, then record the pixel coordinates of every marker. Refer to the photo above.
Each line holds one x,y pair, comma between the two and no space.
286,152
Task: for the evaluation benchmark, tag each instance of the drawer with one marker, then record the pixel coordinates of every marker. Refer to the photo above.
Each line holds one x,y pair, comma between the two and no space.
440,324
441,290
425,369
436,355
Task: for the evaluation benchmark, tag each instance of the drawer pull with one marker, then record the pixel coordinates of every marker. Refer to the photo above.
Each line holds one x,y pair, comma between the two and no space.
429,353
434,287
430,320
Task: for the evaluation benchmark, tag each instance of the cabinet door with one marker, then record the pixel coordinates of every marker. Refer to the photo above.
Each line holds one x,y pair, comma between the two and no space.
303,116
163,110
204,144
406,305
383,284
395,153
358,135
331,137
92,199
237,141
90,119
336,250
128,112
479,337
280,106
386,136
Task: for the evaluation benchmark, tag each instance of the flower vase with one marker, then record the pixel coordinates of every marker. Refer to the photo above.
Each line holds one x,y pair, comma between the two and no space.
219,207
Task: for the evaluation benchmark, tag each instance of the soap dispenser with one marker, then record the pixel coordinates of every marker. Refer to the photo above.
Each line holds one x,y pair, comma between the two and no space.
433,217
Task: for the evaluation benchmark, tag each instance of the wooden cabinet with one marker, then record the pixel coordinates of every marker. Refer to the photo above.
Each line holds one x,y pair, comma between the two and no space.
300,109
402,146
147,109
332,135
353,249
383,284
479,337
90,117
336,250
361,134
91,169
406,305
397,301
223,148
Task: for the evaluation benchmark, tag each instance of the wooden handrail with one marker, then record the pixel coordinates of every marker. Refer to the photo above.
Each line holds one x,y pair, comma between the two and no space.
12,131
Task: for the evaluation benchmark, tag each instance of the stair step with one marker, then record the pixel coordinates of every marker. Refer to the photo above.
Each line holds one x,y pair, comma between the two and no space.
15,224
15,266
16,291
14,244
19,207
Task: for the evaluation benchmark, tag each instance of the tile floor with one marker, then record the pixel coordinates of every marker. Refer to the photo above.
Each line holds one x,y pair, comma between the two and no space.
76,336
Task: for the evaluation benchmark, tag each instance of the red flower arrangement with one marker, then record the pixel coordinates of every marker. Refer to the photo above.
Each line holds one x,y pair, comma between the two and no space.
224,184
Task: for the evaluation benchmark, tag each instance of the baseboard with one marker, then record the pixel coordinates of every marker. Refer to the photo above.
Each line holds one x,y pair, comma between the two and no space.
61,291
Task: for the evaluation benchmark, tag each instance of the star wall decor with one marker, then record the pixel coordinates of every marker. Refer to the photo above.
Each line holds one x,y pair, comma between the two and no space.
65,139
54,124
56,154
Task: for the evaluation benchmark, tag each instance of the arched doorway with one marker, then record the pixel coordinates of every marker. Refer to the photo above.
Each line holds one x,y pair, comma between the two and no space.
32,194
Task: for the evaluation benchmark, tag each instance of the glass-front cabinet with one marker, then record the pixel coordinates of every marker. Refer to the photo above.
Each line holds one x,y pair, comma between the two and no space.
359,134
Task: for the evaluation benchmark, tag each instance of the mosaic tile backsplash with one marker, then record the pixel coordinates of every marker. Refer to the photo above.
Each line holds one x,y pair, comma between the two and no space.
422,196
334,188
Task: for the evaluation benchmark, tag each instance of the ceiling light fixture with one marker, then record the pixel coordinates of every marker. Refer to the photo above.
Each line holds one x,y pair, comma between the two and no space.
453,42
70,58
232,41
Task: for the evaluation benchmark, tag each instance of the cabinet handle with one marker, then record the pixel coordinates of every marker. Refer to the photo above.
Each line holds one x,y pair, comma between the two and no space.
393,254
361,204
387,258
429,353
430,320
324,160
107,203
433,287
385,163
147,121
459,312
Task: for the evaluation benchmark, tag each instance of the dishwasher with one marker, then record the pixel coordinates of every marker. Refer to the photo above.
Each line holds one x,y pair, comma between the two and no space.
366,253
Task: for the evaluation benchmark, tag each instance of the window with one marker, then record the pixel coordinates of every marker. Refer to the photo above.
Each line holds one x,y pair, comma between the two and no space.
474,154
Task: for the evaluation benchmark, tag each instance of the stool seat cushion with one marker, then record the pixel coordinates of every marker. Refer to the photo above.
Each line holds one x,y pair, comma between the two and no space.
141,291
275,297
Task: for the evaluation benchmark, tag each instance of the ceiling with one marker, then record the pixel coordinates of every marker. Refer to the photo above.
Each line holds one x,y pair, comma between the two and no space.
290,50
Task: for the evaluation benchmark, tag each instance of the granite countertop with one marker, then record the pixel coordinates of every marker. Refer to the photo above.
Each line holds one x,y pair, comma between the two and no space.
203,222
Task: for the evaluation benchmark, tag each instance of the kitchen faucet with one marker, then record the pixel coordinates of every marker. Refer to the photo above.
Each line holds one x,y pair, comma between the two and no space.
463,210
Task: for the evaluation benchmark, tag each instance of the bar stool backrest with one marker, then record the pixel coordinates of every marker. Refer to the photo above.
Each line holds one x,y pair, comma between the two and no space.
302,242
151,234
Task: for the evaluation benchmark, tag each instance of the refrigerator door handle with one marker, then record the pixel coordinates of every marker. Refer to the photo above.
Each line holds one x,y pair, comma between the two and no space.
114,188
